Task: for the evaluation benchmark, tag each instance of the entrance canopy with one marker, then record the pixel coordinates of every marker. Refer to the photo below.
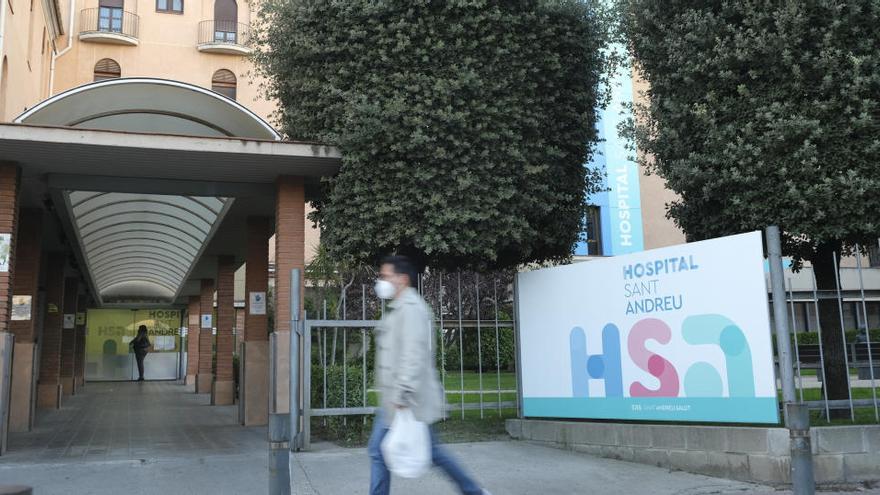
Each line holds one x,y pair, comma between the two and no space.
151,180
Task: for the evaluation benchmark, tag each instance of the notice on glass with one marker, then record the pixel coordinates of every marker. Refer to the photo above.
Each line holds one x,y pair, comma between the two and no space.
258,303
5,248
21,308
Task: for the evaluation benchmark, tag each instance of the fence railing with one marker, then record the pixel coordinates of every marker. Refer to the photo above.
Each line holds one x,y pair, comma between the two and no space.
474,343
223,32
109,20
831,348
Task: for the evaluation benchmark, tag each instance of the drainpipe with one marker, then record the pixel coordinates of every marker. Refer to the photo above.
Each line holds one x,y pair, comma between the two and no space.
62,52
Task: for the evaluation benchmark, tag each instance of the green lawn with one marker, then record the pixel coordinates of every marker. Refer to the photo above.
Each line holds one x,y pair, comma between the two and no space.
472,380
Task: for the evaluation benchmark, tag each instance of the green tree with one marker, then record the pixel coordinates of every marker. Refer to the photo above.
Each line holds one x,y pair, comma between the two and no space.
464,124
766,113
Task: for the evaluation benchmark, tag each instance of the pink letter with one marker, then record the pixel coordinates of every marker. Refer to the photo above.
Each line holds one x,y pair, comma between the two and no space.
656,365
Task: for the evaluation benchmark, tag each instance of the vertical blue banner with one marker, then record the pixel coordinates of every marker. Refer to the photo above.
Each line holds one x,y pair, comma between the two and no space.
620,204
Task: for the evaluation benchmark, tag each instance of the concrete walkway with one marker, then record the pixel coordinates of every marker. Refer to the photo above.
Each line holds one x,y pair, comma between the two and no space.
155,438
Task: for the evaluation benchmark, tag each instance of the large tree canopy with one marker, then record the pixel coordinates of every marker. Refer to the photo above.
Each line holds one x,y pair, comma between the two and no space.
766,113
464,125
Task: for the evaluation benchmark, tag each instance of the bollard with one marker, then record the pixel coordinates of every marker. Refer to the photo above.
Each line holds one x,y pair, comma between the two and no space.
279,438
802,479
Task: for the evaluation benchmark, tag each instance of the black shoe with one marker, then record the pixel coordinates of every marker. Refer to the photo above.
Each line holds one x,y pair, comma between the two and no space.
140,379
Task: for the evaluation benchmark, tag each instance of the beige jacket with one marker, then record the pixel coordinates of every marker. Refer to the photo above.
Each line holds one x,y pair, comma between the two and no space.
405,370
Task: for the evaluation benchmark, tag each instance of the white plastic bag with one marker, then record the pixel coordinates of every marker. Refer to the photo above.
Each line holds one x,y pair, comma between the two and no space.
407,446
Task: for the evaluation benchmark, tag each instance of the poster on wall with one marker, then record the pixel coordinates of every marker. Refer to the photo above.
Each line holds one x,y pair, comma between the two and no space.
21,308
69,321
207,321
674,334
5,249
257,304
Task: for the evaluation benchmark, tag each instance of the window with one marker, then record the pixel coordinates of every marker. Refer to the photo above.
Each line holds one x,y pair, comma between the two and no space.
169,6
223,82
107,69
593,232
225,21
110,16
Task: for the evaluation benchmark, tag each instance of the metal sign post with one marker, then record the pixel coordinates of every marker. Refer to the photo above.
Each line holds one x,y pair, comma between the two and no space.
797,418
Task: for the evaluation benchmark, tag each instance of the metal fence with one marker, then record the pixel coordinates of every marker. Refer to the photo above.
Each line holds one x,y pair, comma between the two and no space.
474,341
830,330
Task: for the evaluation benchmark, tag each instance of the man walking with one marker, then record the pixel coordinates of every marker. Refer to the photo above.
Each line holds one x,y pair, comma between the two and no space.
405,373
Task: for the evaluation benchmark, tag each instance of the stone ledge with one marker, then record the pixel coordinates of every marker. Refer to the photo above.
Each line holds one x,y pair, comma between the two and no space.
842,455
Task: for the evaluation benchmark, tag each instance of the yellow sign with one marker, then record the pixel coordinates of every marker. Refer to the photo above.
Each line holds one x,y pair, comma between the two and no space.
80,318
52,308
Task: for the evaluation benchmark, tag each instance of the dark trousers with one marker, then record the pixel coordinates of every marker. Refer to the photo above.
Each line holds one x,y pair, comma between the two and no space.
139,356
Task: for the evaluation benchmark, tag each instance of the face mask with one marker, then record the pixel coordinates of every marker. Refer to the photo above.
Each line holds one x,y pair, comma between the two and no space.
384,289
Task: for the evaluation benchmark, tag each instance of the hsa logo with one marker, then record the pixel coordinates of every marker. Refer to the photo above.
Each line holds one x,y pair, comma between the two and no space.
700,380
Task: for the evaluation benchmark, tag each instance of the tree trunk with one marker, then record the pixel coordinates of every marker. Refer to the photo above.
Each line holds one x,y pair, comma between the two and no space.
833,345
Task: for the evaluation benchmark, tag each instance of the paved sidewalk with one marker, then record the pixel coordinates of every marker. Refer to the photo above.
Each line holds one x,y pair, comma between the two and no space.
156,438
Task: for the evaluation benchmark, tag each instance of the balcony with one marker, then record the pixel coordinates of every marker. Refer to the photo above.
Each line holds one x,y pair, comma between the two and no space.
227,37
108,25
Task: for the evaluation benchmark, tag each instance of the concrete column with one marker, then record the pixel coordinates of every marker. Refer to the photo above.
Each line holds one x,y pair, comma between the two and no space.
79,364
68,335
255,369
205,377
28,249
49,389
289,254
223,393
192,340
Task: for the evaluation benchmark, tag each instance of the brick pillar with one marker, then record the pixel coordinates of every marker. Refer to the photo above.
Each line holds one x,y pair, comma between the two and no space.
289,254
255,369
79,365
10,177
28,249
224,386
192,340
49,389
205,377
9,184
68,334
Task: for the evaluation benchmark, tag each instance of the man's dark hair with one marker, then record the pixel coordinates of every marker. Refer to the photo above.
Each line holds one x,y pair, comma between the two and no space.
403,266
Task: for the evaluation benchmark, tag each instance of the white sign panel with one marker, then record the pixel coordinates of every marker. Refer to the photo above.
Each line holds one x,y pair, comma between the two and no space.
21,308
5,249
69,322
673,334
257,304
207,321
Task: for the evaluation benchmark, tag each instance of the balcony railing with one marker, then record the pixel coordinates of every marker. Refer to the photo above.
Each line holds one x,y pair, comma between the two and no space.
223,37
109,25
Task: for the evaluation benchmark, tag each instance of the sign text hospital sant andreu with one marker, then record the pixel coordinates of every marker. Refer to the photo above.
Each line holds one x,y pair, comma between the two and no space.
644,292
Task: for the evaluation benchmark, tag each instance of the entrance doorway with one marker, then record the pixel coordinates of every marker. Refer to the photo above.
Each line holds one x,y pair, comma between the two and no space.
110,331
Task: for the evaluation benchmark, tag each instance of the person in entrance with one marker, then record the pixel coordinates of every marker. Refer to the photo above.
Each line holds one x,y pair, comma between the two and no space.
140,345
405,373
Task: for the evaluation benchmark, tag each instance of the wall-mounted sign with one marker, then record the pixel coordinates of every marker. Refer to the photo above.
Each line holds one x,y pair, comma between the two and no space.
193,319
52,308
69,322
673,334
80,319
257,303
207,321
21,308
5,249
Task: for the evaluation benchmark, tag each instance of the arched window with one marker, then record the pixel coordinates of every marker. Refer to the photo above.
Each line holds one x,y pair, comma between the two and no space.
225,21
107,69
223,82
